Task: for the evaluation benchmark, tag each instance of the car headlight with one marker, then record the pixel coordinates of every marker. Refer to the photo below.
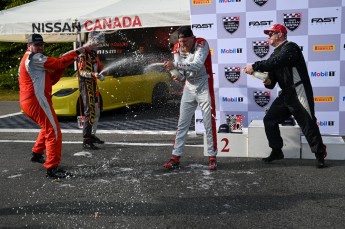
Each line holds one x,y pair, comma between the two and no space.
65,92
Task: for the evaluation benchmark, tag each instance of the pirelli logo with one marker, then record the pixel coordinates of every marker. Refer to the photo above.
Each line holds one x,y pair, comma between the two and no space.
201,2
324,99
324,48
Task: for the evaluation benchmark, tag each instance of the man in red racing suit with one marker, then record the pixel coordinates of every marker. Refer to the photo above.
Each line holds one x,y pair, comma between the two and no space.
37,74
192,65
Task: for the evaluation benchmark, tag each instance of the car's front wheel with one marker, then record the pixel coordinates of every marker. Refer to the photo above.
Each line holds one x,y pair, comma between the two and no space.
160,95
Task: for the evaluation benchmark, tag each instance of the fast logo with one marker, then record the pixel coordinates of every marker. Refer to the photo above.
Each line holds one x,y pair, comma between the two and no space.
319,20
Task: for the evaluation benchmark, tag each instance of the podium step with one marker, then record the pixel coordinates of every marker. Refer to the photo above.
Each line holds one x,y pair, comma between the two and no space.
335,148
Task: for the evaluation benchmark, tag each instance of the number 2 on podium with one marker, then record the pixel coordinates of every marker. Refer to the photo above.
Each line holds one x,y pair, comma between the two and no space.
226,148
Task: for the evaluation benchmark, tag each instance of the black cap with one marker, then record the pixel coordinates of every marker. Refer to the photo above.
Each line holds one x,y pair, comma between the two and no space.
35,38
224,128
184,32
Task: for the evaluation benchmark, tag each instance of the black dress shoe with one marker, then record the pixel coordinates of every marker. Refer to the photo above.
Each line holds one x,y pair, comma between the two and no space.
320,160
320,163
275,155
320,157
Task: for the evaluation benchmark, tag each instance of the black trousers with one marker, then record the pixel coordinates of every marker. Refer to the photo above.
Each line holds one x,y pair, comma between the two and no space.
282,108
87,87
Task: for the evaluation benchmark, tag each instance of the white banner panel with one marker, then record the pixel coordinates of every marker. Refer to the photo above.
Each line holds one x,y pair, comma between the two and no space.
234,29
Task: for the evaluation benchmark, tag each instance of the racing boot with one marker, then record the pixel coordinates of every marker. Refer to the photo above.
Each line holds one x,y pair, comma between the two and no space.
212,163
88,144
276,154
36,157
173,163
320,158
56,173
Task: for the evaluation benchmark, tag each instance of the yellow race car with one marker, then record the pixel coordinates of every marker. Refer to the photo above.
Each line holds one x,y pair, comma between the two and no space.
115,92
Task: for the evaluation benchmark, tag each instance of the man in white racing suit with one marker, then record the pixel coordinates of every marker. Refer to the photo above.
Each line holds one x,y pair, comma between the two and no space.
192,65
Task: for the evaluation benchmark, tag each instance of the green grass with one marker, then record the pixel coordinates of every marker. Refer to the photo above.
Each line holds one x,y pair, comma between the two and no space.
9,95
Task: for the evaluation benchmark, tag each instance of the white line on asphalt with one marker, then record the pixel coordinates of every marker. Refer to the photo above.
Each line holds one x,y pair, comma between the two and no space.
10,115
107,143
76,131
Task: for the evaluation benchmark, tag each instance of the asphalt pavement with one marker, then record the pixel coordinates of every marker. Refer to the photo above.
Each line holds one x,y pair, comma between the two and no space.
124,185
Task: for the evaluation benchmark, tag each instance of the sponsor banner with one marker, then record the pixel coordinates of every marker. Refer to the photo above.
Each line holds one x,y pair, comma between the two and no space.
324,73
261,48
343,16
342,123
231,25
216,77
328,122
234,99
342,47
324,47
230,6
257,22
295,21
291,4
326,99
292,20
302,42
231,75
202,6
205,26
232,52
260,5
212,43
342,72
342,99
255,115
325,21
199,121
315,26
253,82
323,4
258,49
260,98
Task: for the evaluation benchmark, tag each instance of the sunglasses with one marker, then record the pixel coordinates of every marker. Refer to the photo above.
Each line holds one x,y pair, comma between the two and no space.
272,34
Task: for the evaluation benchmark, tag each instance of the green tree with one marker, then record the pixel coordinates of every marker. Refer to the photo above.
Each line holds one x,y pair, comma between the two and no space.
11,53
